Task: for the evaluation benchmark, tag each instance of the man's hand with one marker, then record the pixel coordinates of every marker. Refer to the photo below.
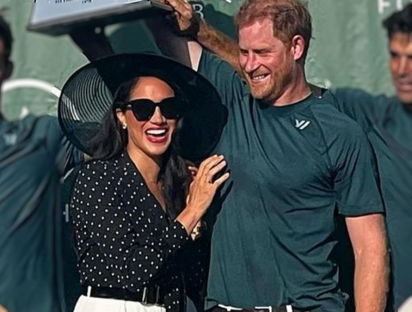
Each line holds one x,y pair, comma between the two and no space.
189,24
185,17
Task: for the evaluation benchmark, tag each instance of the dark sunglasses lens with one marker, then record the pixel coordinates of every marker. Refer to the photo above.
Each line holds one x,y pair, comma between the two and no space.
143,109
172,108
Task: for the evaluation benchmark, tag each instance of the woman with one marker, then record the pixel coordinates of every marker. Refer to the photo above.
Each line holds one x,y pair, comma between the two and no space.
135,205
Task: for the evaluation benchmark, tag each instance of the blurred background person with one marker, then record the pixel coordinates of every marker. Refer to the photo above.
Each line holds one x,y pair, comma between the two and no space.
393,117
33,157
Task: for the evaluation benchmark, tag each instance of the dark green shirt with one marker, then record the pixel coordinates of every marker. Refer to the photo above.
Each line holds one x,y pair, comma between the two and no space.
293,168
33,156
394,121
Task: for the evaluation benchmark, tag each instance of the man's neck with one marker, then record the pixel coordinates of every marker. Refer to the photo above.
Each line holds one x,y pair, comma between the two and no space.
297,90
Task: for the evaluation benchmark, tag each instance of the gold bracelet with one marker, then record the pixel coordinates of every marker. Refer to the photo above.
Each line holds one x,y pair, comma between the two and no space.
197,230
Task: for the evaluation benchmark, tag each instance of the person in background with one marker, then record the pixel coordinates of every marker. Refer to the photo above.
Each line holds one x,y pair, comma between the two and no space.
33,158
392,115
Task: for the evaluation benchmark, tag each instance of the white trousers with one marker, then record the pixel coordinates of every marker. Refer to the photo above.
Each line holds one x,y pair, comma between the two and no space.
406,306
93,304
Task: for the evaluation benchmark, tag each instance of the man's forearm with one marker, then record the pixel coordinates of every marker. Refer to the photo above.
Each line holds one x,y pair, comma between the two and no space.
187,23
371,279
219,43
168,42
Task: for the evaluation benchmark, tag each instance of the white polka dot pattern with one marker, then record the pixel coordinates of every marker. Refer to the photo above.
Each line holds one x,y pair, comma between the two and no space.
123,237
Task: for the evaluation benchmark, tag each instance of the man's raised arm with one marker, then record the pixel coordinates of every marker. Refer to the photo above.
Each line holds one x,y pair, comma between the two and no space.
197,33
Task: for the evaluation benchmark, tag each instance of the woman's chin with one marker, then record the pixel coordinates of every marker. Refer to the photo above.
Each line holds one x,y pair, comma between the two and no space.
156,151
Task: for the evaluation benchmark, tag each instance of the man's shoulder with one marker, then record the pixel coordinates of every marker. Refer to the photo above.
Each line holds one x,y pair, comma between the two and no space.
33,128
224,78
207,57
334,122
361,101
324,108
353,93
40,125
213,67
43,120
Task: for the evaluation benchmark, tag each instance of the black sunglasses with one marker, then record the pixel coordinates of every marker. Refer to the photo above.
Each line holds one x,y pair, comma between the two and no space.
143,109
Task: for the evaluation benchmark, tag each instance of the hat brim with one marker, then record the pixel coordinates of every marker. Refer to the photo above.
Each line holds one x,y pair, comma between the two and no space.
88,95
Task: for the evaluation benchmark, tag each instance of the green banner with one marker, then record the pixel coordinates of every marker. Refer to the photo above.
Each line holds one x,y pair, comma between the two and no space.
348,49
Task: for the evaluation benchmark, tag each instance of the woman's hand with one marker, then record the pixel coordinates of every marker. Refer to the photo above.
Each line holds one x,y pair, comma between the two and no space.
202,190
204,186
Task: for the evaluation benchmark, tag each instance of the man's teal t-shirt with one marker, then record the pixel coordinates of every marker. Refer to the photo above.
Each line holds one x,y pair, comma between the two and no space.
33,156
293,169
394,122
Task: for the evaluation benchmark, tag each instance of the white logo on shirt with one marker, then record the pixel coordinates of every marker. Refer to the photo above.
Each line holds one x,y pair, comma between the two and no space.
301,124
10,138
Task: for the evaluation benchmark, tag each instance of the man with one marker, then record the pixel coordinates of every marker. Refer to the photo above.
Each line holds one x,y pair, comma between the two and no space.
295,163
393,117
32,161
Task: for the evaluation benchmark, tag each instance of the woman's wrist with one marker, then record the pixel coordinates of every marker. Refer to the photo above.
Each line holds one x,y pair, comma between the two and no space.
189,217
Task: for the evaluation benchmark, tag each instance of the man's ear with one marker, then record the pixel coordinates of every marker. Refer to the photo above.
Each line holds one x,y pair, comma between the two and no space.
298,47
8,69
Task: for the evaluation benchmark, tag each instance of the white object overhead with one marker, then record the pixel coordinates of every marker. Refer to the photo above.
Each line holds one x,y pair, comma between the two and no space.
30,83
57,17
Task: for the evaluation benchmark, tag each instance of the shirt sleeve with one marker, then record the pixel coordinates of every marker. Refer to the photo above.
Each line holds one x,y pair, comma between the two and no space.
356,177
224,78
109,239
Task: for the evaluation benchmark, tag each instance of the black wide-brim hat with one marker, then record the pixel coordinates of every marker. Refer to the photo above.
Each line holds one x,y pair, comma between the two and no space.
88,95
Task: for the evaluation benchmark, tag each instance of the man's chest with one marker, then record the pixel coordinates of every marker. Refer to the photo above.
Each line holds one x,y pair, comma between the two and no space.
26,162
279,168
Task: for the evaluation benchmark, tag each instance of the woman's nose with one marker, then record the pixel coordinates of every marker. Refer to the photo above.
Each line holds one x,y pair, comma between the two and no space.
157,117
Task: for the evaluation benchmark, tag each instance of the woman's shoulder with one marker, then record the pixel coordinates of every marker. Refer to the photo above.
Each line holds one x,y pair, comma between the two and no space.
98,180
101,165
120,169
103,169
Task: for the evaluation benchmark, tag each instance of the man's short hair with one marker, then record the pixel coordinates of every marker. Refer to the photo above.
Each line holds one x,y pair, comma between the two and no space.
6,37
289,17
400,21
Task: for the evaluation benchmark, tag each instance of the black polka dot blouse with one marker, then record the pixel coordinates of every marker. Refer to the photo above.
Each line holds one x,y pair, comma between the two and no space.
124,239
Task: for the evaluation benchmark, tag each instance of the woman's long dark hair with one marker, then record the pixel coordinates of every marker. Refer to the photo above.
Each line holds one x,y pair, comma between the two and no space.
174,174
